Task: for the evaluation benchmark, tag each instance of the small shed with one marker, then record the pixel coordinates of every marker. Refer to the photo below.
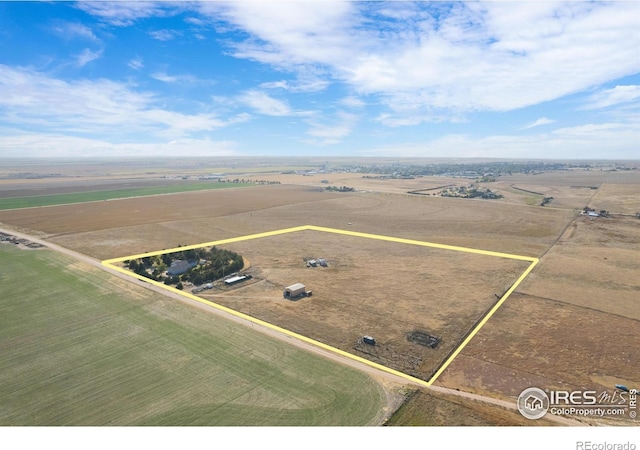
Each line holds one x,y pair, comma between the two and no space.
295,291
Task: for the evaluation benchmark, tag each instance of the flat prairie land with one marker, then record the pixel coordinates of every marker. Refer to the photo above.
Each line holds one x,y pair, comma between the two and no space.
82,347
364,183
109,194
23,188
370,287
574,178
573,323
595,266
103,215
618,198
124,227
564,197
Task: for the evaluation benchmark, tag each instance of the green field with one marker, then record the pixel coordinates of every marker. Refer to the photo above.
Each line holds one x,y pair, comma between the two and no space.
93,196
82,347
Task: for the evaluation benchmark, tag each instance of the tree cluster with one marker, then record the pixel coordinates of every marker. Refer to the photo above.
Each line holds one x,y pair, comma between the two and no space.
340,189
219,263
249,181
211,264
471,191
546,201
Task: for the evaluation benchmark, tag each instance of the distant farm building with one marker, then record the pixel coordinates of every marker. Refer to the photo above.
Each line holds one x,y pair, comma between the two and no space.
296,291
236,279
179,266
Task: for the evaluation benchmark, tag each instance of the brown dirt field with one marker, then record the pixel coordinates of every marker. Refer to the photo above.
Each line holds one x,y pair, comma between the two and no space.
618,198
572,189
27,188
360,183
371,287
564,197
574,178
540,342
597,268
103,215
467,223
573,323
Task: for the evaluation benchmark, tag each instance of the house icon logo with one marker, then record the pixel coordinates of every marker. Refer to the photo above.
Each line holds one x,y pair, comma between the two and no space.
533,403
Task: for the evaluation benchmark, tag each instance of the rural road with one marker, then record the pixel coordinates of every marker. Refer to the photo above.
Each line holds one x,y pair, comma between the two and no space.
372,371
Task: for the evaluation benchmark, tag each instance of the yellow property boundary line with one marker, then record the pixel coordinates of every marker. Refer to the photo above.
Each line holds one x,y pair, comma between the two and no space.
111,264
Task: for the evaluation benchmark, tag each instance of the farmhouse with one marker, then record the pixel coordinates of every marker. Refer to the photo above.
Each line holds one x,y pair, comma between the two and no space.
179,266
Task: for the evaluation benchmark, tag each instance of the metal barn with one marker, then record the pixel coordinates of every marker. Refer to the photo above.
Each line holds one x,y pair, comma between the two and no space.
295,291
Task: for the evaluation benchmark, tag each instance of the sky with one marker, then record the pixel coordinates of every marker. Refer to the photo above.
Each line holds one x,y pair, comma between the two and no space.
495,79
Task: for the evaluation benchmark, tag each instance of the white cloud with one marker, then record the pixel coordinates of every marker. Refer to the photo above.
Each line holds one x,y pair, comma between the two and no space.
537,123
614,96
98,107
592,141
331,133
535,57
424,61
352,102
413,62
436,61
164,35
87,56
589,130
136,63
396,121
125,13
265,104
183,78
282,84
304,83
18,144
70,30
161,76
294,32
195,21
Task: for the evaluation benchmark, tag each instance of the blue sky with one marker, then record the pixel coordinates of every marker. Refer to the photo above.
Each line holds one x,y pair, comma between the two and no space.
320,78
